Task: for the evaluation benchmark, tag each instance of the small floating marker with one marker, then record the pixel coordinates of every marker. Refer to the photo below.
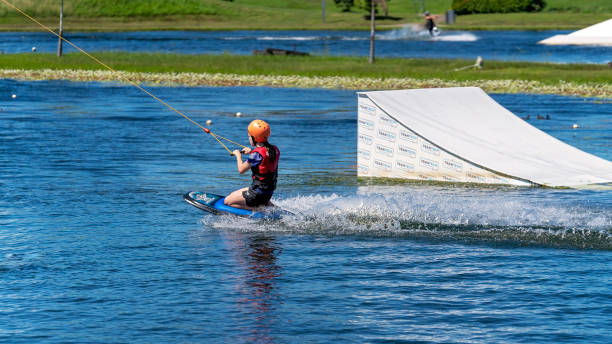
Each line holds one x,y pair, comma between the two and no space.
238,114
33,49
14,96
208,122
575,126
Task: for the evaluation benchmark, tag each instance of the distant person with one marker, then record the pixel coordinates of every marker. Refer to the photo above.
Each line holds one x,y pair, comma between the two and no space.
430,25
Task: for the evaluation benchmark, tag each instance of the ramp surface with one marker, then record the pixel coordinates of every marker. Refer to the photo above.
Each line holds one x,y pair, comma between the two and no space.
598,34
463,135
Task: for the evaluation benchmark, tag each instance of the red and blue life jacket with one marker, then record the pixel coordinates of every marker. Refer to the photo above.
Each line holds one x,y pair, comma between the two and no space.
265,173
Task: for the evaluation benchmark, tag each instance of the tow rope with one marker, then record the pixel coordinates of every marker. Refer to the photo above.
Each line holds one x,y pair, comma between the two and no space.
206,130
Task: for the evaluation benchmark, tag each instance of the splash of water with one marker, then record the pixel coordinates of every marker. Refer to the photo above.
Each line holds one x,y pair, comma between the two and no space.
408,32
483,216
417,33
288,38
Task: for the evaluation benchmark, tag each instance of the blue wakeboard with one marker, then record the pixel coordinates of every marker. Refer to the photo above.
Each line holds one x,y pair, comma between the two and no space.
214,204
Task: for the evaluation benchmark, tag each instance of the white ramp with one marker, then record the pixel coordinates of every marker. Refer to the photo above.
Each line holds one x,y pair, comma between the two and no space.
462,135
598,34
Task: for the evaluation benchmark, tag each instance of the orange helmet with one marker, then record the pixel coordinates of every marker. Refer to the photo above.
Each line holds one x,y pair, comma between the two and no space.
259,130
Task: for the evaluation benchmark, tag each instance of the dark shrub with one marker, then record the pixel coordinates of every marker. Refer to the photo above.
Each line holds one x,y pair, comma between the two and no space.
496,6
345,5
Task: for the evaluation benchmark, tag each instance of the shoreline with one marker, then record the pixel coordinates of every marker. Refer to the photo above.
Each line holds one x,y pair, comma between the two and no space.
187,79
75,29
445,27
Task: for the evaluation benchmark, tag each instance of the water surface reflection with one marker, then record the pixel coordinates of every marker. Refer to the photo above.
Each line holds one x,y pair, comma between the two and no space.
257,272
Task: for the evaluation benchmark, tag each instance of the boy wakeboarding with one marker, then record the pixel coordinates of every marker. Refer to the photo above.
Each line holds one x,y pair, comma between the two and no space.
263,163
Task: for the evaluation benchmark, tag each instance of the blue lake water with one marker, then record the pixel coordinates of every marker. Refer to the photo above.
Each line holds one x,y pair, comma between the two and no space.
406,42
97,245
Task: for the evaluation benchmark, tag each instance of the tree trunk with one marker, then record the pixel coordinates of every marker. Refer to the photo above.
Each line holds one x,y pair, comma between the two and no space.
323,10
372,17
61,29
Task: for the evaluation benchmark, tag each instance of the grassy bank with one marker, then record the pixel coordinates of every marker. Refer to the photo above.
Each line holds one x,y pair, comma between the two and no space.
528,21
331,72
82,15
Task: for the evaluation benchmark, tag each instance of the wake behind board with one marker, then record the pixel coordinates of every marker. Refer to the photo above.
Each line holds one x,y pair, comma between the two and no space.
214,204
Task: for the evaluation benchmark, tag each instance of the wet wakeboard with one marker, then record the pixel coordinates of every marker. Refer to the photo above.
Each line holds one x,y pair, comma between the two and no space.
214,204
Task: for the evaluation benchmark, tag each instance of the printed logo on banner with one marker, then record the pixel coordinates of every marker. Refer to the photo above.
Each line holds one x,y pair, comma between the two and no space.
364,123
382,165
364,153
366,139
500,179
402,165
495,179
386,135
407,151
363,168
408,136
475,177
429,148
382,149
449,178
367,109
386,120
430,164
452,164
424,177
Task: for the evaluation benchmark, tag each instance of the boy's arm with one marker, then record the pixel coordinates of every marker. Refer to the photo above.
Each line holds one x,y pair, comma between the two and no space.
243,166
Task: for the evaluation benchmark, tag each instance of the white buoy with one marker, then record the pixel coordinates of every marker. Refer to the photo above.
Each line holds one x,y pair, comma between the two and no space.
14,96
575,126
33,49
208,122
238,114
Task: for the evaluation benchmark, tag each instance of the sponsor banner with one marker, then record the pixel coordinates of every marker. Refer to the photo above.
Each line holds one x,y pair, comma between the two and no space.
386,135
382,165
407,151
429,148
404,166
429,164
365,139
452,164
386,120
364,123
382,149
409,136
361,168
367,109
364,153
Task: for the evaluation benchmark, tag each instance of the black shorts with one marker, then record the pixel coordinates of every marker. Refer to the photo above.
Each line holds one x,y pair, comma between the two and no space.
256,197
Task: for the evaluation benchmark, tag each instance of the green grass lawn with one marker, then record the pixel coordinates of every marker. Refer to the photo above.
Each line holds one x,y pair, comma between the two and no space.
317,66
281,14
528,21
